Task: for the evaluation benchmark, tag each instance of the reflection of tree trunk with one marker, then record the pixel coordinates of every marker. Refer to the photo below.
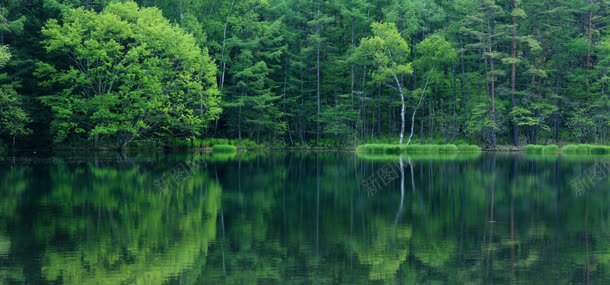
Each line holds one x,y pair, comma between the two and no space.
222,244
421,201
512,175
491,217
512,235
402,191
351,217
587,249
317,204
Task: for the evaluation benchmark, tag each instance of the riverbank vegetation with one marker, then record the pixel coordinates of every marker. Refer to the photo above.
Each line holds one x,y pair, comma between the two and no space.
415,148
568,149
307,74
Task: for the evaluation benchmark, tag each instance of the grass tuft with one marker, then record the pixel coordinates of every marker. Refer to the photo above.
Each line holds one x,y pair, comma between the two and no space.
552,148
224,148
468,148
534,148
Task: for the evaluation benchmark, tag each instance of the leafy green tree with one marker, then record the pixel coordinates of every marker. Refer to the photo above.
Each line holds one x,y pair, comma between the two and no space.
435,53
13,118
131,74
389,51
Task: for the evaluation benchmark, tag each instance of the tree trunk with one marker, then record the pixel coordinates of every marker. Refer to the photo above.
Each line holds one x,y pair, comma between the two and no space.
513,76
492,89
421,98
318,75
224,39
403,110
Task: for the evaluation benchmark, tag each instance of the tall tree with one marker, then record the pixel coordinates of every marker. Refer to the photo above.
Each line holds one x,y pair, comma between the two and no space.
131,75
13,118
389,51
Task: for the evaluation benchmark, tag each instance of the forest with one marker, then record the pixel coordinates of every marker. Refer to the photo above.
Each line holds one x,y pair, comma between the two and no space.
304,73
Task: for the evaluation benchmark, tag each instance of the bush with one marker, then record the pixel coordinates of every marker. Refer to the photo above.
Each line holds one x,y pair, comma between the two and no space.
224,148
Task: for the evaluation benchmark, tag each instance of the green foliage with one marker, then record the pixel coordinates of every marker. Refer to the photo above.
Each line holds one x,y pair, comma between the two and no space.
388,50
131,74
306,73
13,118
224,148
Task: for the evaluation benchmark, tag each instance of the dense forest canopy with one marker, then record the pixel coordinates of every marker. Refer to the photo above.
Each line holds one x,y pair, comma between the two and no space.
304,72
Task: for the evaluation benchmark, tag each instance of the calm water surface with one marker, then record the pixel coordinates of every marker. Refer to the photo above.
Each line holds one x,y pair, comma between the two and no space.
303,218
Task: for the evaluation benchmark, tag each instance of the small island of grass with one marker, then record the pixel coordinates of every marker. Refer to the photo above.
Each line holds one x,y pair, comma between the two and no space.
416,148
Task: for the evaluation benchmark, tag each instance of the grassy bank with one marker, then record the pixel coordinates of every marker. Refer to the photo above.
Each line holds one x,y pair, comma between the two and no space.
568,149
542,149
416,148
585,149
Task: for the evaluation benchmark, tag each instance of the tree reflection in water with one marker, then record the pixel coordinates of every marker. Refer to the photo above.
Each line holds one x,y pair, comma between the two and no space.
302,218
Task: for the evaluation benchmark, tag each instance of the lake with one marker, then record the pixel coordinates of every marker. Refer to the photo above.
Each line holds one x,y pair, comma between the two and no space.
303,218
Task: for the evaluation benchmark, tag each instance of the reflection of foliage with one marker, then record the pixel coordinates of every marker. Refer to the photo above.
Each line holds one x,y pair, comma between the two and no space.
433,252
5,245
12,185
120,231
387,250
302,218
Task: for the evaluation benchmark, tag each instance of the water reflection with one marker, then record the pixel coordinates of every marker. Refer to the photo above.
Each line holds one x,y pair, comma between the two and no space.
301,218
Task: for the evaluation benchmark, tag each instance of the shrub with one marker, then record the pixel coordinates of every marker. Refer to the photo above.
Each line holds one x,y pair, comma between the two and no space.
224,148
